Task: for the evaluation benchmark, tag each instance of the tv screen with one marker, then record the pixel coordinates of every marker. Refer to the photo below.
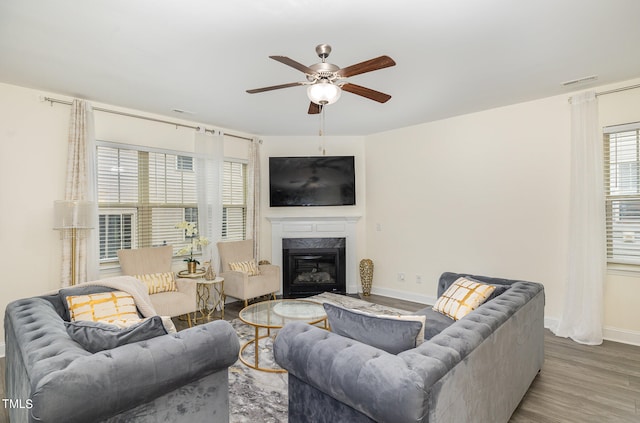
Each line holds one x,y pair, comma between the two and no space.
312,181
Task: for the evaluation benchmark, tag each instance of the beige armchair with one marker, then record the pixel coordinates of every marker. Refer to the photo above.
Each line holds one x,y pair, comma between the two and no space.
239,284
142,261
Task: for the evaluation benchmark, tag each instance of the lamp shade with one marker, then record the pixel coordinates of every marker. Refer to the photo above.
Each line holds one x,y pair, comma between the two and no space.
69,214
323,92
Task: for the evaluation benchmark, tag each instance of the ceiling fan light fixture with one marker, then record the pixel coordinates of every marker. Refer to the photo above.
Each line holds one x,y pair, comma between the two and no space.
323,92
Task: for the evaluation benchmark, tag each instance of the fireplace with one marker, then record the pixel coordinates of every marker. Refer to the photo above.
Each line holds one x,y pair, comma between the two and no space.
284,227
313,265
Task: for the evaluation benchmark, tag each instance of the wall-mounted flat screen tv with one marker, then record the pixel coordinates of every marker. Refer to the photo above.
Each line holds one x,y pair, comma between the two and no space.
312,181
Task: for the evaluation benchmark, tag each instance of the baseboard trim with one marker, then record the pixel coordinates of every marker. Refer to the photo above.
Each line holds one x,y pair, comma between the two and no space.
403,295
623,336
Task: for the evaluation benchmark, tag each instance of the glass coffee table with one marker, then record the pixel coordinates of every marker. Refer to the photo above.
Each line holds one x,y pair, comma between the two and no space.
274,315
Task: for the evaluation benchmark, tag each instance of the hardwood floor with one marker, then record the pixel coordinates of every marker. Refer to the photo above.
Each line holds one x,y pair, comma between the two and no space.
578,383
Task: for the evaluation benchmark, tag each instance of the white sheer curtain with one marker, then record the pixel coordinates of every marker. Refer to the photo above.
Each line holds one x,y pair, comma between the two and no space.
583,309
253,196
209,149
81,186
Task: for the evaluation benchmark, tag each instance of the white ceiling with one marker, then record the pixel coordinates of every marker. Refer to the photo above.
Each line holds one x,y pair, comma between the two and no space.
453,56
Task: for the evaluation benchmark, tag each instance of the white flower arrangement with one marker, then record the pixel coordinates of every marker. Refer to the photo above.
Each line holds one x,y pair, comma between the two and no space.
196,242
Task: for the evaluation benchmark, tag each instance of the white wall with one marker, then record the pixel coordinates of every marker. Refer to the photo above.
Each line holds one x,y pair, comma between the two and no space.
486,193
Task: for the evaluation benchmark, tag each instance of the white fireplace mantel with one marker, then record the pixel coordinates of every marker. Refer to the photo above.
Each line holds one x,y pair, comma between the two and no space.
317,227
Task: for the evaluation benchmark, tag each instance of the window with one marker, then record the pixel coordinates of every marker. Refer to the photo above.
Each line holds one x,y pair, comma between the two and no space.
622,192
142,194
116,231
185,163
234,200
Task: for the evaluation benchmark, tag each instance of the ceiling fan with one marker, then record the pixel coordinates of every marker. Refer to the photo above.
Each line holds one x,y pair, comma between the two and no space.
325,81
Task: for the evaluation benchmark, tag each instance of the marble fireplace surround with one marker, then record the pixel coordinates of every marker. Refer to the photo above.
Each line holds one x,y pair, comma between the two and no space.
317,227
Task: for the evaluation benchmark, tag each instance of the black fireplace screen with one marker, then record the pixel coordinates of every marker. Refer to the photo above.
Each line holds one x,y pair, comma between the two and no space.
313,265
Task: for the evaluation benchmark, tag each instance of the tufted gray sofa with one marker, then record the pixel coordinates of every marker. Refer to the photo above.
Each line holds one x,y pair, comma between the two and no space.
476,369
179,377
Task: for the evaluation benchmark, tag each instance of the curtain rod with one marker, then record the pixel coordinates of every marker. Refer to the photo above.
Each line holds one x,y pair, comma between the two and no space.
115,112
617,90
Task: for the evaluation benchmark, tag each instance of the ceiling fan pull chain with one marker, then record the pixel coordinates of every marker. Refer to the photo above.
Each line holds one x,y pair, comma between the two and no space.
321,132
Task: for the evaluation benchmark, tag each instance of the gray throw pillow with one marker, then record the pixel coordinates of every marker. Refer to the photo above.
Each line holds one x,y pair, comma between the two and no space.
388,334
97,336
500,289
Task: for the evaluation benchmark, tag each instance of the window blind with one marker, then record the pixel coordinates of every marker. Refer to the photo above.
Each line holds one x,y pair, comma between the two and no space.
142,195
234,200
622,192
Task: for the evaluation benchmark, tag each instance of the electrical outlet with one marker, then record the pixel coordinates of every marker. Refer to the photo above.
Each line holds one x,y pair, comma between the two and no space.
401,277
418,278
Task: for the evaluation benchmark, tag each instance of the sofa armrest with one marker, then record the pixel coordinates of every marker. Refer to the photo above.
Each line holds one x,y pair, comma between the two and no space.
372,381
119,379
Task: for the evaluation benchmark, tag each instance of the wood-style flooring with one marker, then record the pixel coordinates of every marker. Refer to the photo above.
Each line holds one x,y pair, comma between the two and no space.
578,383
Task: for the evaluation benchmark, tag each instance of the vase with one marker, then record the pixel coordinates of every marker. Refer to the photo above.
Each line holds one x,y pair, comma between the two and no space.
209,273
366,276
191,266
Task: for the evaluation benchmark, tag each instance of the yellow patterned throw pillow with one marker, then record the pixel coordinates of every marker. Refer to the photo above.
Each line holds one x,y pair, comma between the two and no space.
102,307
248,267
462,297
158,282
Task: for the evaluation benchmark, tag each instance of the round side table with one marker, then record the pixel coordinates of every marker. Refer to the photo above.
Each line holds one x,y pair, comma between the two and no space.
204,294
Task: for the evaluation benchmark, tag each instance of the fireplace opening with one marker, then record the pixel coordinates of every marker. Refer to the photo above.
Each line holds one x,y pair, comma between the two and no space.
313,265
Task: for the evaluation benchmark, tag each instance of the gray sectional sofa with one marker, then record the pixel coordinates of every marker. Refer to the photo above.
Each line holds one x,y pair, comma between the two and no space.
177,377
476,369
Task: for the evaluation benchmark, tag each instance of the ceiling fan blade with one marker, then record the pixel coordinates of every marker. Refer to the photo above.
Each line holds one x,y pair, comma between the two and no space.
367,66
274,87
314,108
366,92
296,65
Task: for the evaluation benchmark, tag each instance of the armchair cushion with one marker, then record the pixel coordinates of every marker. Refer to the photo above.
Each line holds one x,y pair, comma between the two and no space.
140,261
98,336
249,267
158,282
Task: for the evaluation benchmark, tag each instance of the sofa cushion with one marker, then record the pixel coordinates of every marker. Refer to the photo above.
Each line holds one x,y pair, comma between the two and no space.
158,282
98,336
462,297
249,267
105,307
390,334
435,322
499,290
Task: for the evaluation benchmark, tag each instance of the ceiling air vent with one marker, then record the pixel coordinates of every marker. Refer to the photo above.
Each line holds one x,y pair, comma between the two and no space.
584,80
